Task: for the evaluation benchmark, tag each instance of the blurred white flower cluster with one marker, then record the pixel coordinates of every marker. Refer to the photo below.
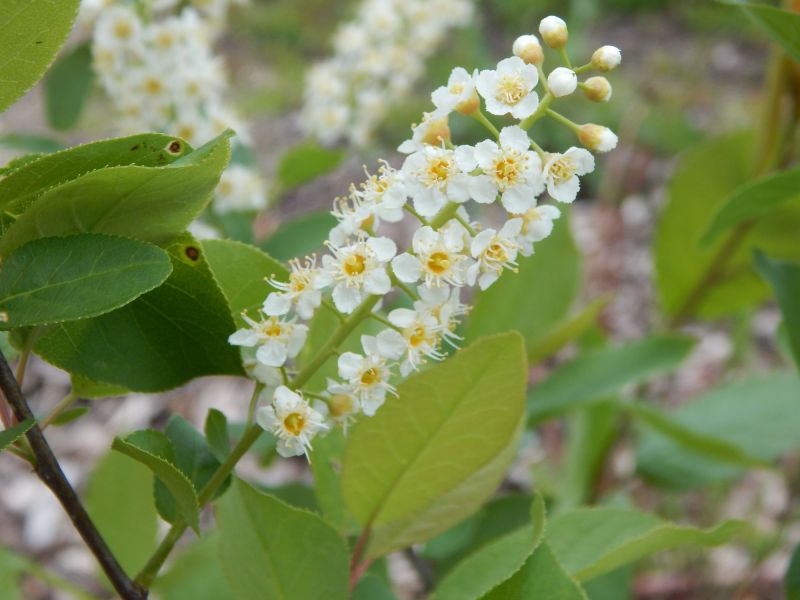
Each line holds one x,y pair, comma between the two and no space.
378,56
161,74
451,249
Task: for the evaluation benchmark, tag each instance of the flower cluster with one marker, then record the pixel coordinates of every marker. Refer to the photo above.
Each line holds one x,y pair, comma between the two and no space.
377,56
162,75
450,250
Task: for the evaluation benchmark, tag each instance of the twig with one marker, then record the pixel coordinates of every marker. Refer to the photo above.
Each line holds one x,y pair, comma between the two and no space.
49,471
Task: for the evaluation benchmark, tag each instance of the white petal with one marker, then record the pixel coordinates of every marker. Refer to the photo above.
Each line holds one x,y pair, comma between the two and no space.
391,344
383,247
277,304
272,354
403,317
458,187
377,282
584,160
244,337
486,153
465,158
518,199
526,107
483,189
565,191
346,298
407,268
265,417
515,138
349,365
481,241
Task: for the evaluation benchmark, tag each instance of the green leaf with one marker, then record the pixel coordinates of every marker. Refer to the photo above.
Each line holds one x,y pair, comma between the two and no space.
196,574
566,331
161,340
11,570
694,438
593,541
300,236
154,450
67,87
705,178
760,416
83,387
754,200
496,562
119,499
520,301
153,204
240,270
326,464
24,185
598,374
12,434
791,581
270,550
372,588
305,162
216,430
31,32
542,576
784,278
780,25
435,453
51,280
68,416
193,458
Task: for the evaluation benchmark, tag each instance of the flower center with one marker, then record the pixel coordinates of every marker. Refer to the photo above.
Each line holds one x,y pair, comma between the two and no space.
528,218
123,30
438,262
507,170
563,169
340,404
439,169
456,88
355,264
371,376
294,423
497,252
417,336
272,328
298,281
153,86
511,89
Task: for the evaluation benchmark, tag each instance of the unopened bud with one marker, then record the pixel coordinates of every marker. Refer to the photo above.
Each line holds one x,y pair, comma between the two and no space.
562,82
597,89
597,138
528,48
340,405
606,58
437,131
554,32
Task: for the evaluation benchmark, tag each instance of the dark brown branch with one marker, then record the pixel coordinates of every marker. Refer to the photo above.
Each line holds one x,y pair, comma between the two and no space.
49,471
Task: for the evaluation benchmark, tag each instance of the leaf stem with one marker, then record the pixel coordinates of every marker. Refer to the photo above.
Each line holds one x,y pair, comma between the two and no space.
49,471
59,408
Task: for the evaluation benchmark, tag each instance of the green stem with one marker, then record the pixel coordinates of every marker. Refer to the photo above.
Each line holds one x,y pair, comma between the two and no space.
544,103
59,409
583,68
562,119
251,408
483,120
410,210
466,225
384,321
565,57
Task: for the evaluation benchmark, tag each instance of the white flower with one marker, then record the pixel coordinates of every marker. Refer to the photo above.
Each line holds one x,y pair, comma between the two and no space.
597,138
418,338
367,375
438,257
298,291
292,421
240,189
554,32
510,88
341,404
458,94
606,58
528,48
494,251
444,304
562,82
435,175
561,173
510,168
433,130
537,224
356,270
277,339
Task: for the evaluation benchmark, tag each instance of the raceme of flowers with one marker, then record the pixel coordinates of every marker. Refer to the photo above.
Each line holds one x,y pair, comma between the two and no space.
377,58
162,75
450,249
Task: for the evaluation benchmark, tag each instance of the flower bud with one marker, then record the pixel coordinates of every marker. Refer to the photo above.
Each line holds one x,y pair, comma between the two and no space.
554,32
606,58
438,130
597,138
340,405
597,89
562,82
528,48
